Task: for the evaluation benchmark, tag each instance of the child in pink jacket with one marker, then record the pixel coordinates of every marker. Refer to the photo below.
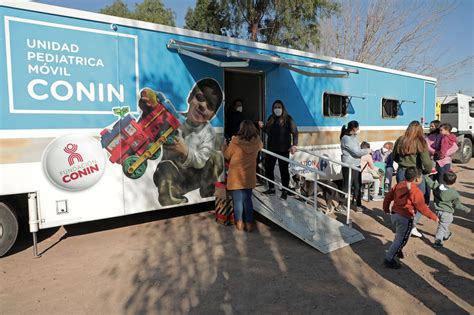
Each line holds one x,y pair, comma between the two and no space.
442,146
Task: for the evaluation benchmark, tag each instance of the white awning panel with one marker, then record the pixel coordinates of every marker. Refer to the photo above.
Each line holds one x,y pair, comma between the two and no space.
202,52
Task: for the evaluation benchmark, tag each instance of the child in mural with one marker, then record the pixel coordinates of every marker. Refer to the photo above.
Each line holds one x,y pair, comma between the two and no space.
192,162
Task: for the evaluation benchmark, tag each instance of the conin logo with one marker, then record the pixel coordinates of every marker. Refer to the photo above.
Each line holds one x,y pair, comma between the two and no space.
74,162
71,150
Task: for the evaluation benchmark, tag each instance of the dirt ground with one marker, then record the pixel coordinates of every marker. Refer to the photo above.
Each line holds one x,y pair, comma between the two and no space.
180,261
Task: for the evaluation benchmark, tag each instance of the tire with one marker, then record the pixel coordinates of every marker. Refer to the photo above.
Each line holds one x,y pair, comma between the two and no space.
466,151
8,228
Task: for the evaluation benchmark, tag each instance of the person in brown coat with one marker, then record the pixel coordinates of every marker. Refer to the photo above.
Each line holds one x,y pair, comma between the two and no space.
242,156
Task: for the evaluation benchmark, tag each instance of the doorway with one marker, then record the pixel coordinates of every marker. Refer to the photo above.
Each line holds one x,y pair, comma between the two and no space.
249,88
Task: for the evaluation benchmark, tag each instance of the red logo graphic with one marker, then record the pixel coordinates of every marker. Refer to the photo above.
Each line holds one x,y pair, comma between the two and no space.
71,150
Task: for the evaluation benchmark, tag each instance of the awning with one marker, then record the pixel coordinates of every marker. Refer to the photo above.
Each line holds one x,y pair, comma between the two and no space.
205,52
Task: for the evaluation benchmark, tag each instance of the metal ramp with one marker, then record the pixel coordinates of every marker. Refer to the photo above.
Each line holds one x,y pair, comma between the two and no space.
302,220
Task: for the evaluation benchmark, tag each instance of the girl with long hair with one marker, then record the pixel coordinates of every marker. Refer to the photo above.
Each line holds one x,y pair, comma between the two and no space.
242,156
351,154
282,139
411,150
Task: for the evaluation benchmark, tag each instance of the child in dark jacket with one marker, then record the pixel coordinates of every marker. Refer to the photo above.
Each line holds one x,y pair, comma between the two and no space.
446,200
407,199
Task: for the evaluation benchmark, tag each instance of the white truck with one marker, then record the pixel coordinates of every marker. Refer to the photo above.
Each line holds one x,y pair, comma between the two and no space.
458,110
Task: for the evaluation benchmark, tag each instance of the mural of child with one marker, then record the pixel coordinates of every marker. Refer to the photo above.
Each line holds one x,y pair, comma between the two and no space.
192,161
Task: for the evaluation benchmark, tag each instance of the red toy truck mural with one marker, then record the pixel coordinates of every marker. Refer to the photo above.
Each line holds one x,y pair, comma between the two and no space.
132,142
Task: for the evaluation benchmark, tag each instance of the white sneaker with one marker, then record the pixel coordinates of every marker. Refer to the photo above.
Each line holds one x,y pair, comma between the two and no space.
416,233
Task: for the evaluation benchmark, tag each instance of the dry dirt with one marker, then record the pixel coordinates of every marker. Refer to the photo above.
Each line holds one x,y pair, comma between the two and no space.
180,261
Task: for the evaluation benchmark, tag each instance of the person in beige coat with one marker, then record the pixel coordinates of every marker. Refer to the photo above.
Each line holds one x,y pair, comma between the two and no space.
242,156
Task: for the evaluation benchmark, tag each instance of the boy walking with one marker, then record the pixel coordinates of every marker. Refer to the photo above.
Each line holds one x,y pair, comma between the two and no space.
446,200
407,199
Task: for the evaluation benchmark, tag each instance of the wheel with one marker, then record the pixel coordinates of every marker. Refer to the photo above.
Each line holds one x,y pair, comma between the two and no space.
8,228
157,153
138,172
466,151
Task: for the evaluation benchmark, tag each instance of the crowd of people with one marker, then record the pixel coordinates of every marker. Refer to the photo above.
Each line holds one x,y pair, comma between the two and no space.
420,163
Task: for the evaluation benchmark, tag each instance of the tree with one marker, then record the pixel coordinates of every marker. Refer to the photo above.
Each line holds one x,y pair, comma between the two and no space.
280,22
154,11
149,10
394,34
117,8
208,16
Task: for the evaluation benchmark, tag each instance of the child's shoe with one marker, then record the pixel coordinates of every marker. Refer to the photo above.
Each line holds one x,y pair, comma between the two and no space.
438,244
400,255
392,264
447,237
416,233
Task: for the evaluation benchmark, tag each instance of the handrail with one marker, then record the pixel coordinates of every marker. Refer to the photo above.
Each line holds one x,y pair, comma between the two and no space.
346,194
310,169
356,168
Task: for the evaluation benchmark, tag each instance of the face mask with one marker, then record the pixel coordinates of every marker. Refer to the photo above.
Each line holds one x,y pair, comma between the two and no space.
239,109
384,150
278,112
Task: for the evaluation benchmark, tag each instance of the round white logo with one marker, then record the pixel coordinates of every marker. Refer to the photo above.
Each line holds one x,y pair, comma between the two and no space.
74,162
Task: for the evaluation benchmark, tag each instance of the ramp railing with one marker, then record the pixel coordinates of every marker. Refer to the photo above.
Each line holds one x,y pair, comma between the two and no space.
307,168
346,194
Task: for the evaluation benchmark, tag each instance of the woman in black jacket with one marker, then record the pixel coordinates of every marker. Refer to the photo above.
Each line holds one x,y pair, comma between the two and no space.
282,139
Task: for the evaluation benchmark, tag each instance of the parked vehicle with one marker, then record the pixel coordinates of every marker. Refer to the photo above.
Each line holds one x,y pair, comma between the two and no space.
73,77
458,110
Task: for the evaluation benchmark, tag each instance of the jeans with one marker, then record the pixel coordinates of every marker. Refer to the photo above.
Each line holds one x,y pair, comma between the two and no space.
270,162
356,184
441,171
243,207
388,177
422,186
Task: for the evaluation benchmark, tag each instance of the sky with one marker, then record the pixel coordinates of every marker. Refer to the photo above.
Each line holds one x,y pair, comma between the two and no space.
455,34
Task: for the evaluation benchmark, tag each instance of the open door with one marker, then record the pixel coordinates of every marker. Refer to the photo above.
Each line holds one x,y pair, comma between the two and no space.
248,87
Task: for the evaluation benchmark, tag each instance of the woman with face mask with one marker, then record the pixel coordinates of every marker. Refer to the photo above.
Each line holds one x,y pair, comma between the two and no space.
233,119
282,139
351,154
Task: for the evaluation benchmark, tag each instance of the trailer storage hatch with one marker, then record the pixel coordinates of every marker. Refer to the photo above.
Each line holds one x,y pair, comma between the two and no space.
241,58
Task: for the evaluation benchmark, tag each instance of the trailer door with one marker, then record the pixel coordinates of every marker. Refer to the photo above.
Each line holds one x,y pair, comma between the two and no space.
249,87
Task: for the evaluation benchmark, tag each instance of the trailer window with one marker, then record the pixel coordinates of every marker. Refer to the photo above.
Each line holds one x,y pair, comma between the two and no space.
335,105
471,108
390,108
449,108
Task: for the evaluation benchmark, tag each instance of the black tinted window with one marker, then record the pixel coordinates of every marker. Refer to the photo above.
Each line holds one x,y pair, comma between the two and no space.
335,105
390,108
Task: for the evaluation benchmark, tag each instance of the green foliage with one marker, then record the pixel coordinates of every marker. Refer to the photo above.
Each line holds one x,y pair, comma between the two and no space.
154,11
118,8
149,10
208,16
280,22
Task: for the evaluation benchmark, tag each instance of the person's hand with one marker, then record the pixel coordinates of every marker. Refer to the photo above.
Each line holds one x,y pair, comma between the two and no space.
179,147
260,124
293,149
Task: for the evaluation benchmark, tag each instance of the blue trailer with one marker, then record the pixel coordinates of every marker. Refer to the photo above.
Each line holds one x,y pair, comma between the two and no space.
68,75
